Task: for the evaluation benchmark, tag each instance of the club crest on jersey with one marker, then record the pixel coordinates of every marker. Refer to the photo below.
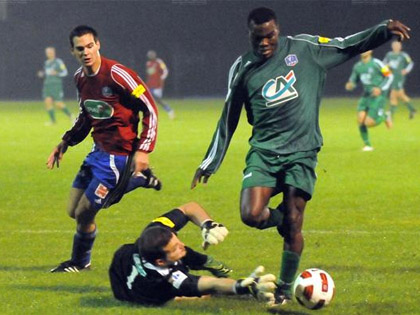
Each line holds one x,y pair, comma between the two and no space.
279,90
98,109
291,60
106,91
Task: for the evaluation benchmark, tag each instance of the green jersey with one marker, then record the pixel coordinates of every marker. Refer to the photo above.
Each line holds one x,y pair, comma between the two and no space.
54,70
398,62
282,95
371,74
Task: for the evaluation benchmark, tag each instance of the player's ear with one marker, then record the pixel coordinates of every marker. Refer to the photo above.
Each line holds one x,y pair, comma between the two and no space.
160,262
98,43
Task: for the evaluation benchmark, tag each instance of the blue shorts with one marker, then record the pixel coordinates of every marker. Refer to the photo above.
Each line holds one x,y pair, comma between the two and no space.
99,174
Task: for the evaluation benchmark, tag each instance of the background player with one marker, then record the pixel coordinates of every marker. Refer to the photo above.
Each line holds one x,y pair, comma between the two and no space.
376,79
280,82
52,92
157,72
155,269
110,98
401,65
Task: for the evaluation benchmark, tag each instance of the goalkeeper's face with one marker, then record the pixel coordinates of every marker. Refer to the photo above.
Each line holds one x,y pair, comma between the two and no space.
175,250
264,38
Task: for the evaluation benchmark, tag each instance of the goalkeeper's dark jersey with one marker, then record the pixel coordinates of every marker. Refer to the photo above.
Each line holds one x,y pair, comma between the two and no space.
135,280
282,95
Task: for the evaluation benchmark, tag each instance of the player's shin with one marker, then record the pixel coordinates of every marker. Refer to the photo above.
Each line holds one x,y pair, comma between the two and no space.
82,247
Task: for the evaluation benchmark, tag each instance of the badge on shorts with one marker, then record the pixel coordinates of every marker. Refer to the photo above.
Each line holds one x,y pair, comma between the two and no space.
101,191
291,60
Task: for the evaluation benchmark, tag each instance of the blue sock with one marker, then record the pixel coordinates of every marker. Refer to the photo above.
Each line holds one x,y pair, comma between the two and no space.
82,247
135,182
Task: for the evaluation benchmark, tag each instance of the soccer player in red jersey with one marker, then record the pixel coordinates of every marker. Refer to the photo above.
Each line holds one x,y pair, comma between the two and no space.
110,98
157,72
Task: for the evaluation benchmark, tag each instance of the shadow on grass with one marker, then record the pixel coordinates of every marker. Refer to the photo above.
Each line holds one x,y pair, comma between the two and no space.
26,268
63,288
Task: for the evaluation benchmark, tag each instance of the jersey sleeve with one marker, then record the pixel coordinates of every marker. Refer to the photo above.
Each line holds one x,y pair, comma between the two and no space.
386,73
164,69
354,76
129,81
62,70
80,129
174,219
184,284
409,63
331,52
227,123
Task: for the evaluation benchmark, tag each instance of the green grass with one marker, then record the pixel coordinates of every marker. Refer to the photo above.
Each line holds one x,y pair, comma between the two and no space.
362,225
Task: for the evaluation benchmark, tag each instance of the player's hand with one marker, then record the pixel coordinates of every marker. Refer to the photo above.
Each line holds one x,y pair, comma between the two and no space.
40,74
399,29
349,86
404,72
199,175
376,91
57,155
141,161
213,233
260,285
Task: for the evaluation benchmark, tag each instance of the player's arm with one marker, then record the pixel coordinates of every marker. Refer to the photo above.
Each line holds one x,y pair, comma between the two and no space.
387,78
225,128
410,65
72,137
136,88
352,81
164,69
330,52
62,69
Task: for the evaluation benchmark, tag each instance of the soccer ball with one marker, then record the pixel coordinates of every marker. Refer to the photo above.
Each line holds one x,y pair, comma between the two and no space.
314,288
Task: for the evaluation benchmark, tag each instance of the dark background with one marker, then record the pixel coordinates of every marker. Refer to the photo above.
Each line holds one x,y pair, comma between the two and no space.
198,39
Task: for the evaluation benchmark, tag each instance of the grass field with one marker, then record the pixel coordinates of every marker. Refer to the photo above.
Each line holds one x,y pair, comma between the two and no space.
362,225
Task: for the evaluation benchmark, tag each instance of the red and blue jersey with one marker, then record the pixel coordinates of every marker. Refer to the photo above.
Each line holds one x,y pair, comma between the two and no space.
110,102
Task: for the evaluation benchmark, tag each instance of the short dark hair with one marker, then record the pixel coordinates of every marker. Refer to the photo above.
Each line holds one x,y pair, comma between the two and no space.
82,30
151,242
261,15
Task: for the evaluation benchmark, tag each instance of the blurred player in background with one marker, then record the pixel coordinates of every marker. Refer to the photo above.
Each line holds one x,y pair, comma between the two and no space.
52,92
156,268
280,82
157,72
110,99
401,65
376,79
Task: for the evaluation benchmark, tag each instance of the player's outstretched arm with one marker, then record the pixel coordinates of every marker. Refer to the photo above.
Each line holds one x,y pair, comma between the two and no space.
260,285
399,29
212,232
200,175
57,155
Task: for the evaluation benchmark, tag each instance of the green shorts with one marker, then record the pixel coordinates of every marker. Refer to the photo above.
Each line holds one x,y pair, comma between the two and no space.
267,170
55,91
398,83
374,106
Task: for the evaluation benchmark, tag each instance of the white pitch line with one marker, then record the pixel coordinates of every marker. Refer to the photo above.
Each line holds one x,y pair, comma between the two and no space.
242,231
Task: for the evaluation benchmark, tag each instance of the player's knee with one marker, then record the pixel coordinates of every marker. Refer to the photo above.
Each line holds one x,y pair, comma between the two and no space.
251,216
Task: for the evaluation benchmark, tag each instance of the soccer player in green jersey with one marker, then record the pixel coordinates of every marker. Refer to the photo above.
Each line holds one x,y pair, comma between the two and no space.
401,65
280,84
376,79
52,92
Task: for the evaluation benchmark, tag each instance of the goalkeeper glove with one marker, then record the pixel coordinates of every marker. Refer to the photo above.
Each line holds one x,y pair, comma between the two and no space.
213,233
260,286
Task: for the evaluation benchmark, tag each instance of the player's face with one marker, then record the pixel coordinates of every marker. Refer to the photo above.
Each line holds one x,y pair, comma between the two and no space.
396,47
175,250
50,53
86,51
264,38
366,56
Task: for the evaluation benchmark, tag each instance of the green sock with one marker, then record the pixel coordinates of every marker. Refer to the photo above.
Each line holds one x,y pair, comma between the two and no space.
51,113
66,111
289,266
364,134
275,218
393,109
410,107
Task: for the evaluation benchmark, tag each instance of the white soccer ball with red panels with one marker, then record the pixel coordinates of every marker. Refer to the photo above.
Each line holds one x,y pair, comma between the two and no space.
314,288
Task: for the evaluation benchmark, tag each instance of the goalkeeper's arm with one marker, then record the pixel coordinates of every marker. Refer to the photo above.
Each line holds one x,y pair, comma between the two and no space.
213,233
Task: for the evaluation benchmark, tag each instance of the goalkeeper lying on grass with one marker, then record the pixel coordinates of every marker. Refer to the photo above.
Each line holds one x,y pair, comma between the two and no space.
155,269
